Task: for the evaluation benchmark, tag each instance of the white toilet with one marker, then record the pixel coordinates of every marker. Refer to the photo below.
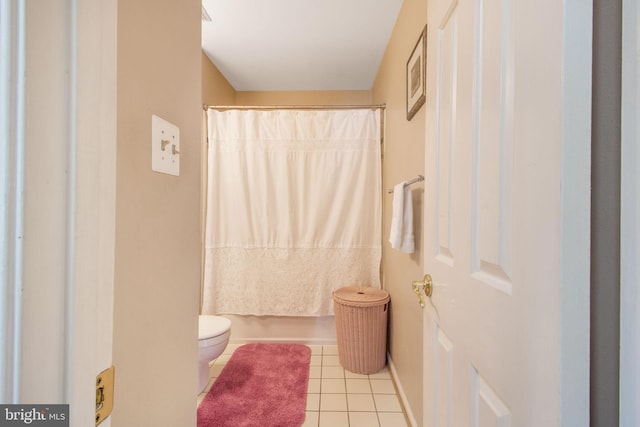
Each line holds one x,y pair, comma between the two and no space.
213,337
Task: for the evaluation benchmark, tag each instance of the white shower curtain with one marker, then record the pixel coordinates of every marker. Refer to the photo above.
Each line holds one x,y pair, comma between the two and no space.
293,209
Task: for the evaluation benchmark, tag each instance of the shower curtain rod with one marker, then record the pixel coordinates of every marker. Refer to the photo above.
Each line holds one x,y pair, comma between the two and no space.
293,107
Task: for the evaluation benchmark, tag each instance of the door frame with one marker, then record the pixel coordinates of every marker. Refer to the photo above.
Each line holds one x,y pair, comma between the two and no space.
12,86
56,289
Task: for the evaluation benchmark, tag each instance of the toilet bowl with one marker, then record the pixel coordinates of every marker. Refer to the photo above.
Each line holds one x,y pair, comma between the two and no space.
213,337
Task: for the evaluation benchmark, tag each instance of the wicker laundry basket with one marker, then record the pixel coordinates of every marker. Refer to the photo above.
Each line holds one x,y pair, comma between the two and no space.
361,328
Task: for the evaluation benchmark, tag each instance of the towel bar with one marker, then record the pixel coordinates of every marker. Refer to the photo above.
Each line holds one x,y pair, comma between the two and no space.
413,181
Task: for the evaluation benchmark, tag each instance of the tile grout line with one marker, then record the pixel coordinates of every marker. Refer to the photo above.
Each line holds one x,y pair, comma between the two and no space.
374,399
346,394
321,374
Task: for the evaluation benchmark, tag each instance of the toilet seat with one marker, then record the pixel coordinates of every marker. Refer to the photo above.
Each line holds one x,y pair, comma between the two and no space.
212,326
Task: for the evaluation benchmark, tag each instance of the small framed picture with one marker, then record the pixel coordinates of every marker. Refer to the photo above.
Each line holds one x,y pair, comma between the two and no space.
416,76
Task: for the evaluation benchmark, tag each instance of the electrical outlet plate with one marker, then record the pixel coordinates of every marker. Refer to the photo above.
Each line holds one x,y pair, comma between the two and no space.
165,146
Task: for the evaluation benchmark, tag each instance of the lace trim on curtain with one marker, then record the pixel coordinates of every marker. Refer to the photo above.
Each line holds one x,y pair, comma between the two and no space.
317,271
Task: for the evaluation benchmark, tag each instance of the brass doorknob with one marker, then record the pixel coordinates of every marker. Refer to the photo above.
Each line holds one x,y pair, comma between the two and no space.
425,285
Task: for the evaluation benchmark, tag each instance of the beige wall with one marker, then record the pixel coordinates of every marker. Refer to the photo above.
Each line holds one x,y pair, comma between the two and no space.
157,261
216,90
403,159
337,97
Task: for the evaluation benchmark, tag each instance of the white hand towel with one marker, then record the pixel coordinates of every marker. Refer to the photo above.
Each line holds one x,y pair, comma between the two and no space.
407,222
401,235
395,235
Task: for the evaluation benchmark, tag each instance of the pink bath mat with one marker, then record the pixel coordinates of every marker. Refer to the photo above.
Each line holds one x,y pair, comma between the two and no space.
262,385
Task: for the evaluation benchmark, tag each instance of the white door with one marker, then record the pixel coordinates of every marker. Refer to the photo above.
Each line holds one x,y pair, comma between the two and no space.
506,234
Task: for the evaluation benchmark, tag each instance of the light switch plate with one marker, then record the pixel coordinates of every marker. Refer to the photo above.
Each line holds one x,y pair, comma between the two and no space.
165,146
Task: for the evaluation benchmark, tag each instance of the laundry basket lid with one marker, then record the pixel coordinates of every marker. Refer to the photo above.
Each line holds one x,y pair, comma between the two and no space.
361,296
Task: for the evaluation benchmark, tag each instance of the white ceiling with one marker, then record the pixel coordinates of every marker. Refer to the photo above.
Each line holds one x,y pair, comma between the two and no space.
261,45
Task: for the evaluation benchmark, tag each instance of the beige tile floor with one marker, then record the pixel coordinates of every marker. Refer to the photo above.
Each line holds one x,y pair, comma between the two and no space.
337,397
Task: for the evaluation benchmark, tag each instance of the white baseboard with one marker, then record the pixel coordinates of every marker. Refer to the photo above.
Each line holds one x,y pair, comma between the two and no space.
403,397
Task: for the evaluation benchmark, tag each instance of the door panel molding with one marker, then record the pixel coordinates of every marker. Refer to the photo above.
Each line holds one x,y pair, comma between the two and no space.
487,408
445,134
492,141
444,367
